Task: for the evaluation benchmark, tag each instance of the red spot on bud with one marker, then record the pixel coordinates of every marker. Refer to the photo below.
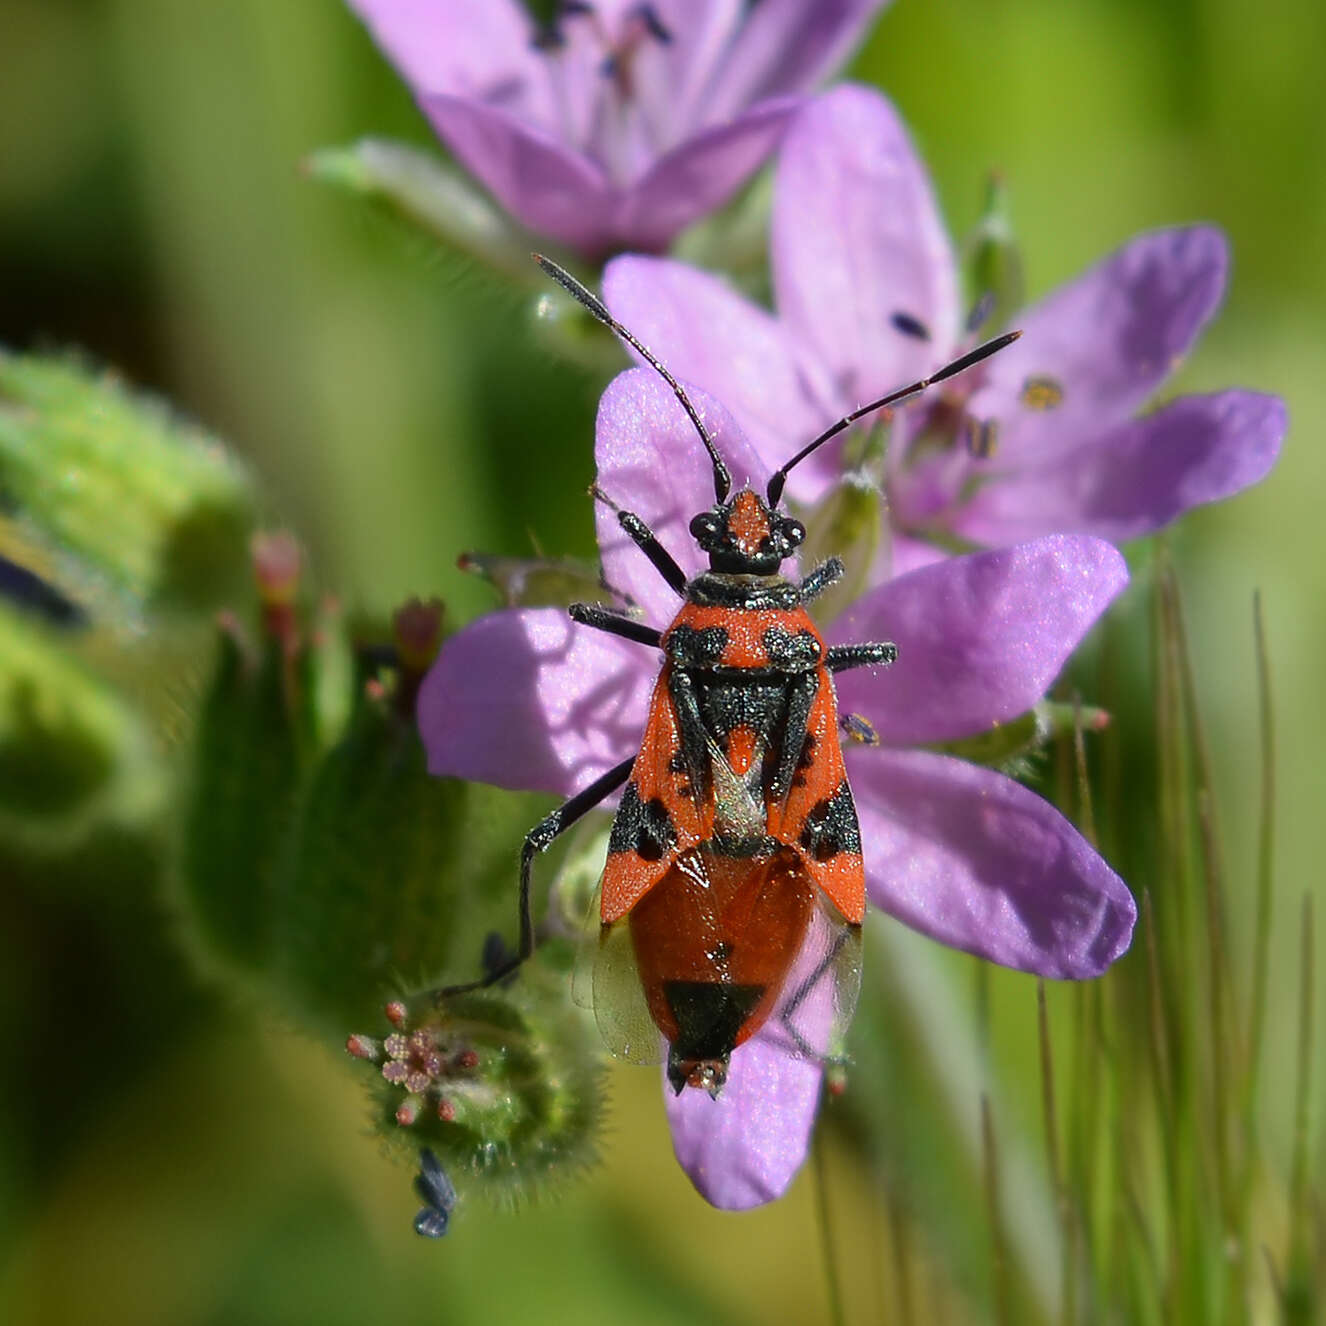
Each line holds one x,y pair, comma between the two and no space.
417,631
363,1047
407,1112
397,1014
446,1111
467,1059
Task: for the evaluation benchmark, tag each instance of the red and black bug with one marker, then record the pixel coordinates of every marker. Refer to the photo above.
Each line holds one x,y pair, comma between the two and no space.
734,880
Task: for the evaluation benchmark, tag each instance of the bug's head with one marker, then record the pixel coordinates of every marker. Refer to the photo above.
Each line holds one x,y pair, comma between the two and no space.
746,536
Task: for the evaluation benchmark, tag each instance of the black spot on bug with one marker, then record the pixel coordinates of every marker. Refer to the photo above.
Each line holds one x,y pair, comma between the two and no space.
831,827
807,756
643,827
696,649
791,653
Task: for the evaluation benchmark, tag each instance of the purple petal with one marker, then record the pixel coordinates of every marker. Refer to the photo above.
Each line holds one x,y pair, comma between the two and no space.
1140,476
544,184
1108,339
979,862
856,238
980,638
467,48
744,1148
786,46
651,461
526,699
708,334
697,176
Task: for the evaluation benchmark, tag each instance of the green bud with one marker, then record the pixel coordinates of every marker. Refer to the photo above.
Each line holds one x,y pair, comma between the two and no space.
242,799
388,868
1007,746
505,1085
144,502
431,195
536,582
848,523
73,754
993,263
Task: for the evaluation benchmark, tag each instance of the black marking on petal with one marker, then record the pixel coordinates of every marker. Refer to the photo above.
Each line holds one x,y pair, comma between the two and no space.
654,25
643,827
909,325
832,828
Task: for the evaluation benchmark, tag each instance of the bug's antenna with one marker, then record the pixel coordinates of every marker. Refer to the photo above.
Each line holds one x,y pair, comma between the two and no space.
578,292
975,356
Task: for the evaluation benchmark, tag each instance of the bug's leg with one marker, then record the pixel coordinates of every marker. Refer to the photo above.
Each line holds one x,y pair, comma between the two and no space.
604,619
801,691
842,657
785,1015
537,840
644,538
825,574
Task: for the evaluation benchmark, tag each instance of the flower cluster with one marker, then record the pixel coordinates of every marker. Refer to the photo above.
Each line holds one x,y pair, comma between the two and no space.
1040,439
614,125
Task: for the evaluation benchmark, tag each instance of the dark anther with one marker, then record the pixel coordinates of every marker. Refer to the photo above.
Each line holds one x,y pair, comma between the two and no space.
910,326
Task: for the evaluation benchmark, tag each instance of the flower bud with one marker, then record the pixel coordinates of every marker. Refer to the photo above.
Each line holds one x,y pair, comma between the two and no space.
504,1085
993,262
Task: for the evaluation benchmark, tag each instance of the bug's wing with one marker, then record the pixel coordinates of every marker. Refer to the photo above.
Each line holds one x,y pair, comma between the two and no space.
658,817
816,1003
606,978
818,818
620,1007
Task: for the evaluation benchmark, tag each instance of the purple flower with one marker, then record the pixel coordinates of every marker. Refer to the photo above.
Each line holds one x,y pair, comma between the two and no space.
527,699
617,124
867,296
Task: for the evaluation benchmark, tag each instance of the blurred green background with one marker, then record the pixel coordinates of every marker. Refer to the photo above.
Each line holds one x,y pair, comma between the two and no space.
167,1156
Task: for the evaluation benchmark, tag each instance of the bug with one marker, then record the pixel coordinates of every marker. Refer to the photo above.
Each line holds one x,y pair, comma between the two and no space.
734,880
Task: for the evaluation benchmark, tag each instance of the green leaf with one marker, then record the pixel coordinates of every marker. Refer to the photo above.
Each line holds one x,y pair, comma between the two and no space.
119,490
73,754
433,196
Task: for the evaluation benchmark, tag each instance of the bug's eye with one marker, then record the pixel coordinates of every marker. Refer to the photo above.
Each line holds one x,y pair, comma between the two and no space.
704,526
795,532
